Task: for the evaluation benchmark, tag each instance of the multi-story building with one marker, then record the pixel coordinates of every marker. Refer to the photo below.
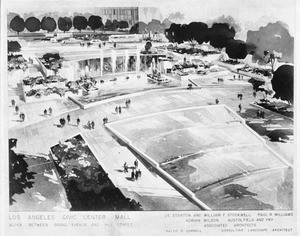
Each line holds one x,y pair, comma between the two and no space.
129,14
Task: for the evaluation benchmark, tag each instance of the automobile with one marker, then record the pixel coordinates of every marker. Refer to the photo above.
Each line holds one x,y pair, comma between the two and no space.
95,41
71,41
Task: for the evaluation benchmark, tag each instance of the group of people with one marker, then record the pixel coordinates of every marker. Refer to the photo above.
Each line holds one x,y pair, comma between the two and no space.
48,112
118,109
135,173
240,77
17,109
91,124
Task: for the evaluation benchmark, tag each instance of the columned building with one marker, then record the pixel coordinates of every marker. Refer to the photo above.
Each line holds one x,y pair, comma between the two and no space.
129,14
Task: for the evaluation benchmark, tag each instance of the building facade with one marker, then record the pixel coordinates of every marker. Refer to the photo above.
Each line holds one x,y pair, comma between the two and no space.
129,14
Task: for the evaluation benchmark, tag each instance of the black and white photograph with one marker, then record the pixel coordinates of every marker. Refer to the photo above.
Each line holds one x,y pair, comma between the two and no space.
149,117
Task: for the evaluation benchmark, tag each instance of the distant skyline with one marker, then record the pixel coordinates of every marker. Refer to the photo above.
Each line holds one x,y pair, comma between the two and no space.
247,12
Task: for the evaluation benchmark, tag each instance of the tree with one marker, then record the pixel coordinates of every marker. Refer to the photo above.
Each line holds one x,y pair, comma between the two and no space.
283,83
115,24
274,36
33,24
176,33
17,24
155,26
197,31
80,22
236,49
13,46
123,24
220,34
19,177
95,22
64,23
108,24
167,23
48,23
139,28
229,20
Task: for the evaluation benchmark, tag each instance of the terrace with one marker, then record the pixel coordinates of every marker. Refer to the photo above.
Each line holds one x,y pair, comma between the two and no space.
190,144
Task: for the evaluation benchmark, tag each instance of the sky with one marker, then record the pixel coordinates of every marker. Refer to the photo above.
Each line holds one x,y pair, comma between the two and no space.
194,10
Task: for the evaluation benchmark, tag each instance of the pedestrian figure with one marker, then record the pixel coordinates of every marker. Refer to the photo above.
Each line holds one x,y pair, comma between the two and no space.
241,96
93,124
68,118
120,109
45,112
233,77
116,109
89,125
129,101
13,102
258,113
136,175
240,108
217,101
22,116
139,172
132,175
136,163
254,94
50,111
17,109
125,167
78,121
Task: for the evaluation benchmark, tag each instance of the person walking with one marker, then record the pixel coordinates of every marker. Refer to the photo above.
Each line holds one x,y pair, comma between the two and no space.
45,112
68,118
89,125
116,109
125,167
13,103
136,163
93,124
136,175
240,108
78,121
17,109
132,175
120,109
217,101
254,94
50,111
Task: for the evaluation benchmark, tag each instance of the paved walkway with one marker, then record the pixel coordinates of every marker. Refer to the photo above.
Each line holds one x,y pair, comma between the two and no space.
152,191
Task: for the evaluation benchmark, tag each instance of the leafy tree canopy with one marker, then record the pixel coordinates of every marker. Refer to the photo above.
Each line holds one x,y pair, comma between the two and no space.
33,24
80,22
64,23
48,23
17,24
283,83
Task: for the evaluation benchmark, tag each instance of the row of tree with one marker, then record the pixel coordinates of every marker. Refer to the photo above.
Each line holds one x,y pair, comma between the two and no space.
33,24
220,35
154,26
